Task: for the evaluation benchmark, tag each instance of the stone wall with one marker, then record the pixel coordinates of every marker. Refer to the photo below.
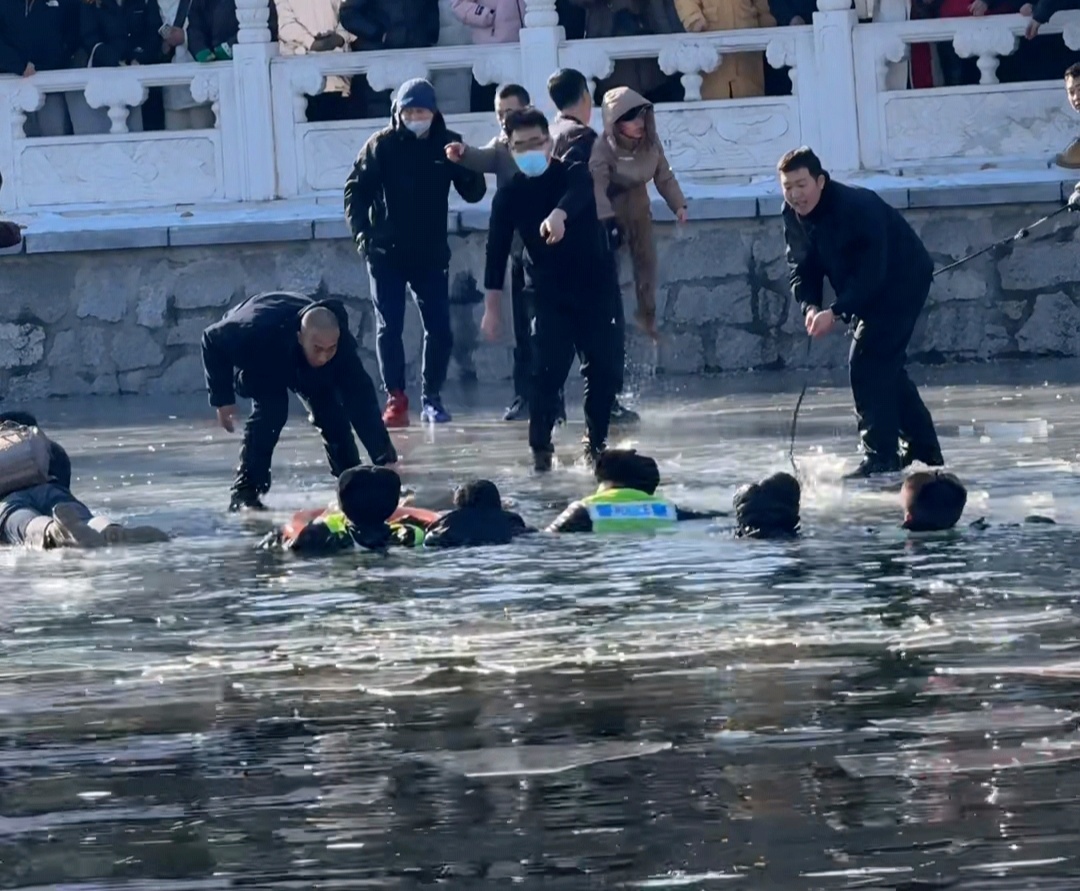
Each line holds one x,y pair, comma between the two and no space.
129,321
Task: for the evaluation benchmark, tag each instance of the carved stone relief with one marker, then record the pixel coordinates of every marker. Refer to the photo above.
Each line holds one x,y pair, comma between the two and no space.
723,139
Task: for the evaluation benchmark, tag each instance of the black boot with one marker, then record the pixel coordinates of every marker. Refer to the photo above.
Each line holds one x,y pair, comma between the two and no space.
244,500
542,460
589,454
873,467
518,410
622,415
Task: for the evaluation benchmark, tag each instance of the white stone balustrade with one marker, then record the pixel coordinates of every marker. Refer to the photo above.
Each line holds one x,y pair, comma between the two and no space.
848,101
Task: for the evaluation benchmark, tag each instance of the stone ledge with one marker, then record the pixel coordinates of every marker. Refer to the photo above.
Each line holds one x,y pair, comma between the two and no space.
320,218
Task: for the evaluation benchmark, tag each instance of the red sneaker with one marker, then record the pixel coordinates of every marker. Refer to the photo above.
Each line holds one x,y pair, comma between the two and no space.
397,410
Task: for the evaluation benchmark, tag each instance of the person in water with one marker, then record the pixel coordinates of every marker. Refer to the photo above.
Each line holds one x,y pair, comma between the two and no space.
367,499
625,499
478,519
769,508
45,514
933,501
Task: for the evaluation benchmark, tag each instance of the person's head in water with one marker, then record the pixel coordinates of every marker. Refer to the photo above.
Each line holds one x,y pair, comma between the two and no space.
368,496
768,509
529,139
320,332
1072,85
626,469
511,97
568,90
803,179
482,494
416,106
932,500
23,418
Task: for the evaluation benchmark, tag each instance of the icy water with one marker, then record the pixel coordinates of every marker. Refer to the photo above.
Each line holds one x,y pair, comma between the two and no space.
856,709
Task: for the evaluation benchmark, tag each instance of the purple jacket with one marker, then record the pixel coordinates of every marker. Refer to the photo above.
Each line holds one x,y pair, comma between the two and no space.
492,21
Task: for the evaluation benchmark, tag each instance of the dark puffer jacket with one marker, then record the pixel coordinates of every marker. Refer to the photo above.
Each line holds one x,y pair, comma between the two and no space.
112,35
38,32
391,24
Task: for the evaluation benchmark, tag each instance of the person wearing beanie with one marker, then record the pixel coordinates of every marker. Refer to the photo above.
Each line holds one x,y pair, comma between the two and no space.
768,509
397,201
43,513
478,519
625,499
367,498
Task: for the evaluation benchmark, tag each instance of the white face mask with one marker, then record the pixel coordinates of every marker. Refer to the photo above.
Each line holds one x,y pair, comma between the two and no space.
418,128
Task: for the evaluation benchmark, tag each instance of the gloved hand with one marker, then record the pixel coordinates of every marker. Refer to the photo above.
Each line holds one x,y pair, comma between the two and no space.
204,56
613,234
223,53
328,40
1074,199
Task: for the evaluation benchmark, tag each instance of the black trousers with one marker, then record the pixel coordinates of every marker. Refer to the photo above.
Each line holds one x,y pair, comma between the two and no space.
887,404
582,321
522,312
339,397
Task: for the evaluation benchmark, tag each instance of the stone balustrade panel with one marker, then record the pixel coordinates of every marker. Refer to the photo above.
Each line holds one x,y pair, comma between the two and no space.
957,127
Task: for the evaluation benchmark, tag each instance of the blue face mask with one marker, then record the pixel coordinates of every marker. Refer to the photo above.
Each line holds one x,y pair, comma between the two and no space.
418,128
532,163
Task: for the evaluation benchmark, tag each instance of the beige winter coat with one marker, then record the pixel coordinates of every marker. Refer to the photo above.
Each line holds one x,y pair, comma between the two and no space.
300,21
740,74
621,171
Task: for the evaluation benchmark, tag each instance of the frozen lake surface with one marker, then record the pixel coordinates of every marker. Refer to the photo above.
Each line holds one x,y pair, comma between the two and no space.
856,709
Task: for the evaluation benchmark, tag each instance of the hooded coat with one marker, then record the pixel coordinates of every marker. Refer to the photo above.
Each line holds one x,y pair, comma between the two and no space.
740,74
491,21
621,170
301,21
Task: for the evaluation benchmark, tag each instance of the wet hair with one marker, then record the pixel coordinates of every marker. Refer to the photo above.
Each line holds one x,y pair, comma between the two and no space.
23,418
478,493
626,468
514,91
802,158
566,87
933,501
525,119
369,495
321,319
768,509
1073,72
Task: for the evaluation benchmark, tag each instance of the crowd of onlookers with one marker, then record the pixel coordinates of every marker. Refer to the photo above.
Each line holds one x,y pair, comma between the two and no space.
44,35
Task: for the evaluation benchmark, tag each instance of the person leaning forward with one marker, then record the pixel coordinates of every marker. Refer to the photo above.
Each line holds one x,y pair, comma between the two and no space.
881,273
276,342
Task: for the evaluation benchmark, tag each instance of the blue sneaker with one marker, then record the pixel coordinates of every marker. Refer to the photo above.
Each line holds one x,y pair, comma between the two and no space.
433,411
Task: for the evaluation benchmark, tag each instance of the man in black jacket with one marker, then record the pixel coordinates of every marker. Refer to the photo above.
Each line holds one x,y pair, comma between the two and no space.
551,206
881,273
397,201
276,342
572,142
39,35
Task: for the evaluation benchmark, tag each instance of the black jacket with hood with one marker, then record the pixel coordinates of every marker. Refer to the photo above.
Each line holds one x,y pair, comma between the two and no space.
110,34
42,32
397,198
391,24
470,527
877,265
258,338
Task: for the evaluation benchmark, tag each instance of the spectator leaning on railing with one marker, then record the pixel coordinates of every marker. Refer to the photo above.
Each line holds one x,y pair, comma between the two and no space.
740,75
634,18
491,21
312,26
213,29
38,35
111,35
182,112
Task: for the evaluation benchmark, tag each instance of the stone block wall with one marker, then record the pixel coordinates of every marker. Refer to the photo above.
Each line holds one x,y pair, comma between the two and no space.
129,321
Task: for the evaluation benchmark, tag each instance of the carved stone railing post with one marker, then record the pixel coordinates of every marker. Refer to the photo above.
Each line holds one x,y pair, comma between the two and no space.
988,42
690,59
118,92
539,44
833,86
247,122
